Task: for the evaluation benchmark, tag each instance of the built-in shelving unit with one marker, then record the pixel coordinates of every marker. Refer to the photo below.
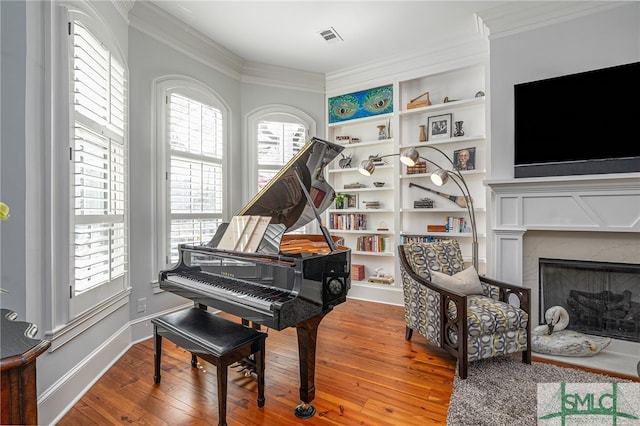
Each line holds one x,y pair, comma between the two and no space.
396,219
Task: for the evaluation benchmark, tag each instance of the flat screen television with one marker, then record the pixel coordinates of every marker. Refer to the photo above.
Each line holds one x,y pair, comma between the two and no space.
577,124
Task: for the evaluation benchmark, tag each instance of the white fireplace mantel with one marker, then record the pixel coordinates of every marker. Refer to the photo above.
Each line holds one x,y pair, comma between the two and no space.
592,203
605,212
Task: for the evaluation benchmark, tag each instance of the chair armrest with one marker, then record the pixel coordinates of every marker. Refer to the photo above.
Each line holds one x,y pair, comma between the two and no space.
523,294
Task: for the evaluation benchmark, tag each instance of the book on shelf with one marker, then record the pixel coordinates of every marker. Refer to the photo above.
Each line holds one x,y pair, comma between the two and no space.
456,224
244,233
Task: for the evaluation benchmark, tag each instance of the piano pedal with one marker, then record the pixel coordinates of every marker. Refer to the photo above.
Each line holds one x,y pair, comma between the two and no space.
245,366
304,411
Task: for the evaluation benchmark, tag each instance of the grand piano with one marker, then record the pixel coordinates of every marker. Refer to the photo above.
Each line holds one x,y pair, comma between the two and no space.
292,280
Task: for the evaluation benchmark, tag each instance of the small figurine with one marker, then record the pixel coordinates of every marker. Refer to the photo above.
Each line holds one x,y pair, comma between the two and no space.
345,162
381,278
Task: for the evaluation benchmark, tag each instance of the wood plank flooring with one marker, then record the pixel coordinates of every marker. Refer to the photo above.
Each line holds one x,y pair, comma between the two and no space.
366,374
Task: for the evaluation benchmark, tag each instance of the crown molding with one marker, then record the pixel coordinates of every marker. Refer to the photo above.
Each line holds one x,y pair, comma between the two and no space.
515,17
158,24
163,27
455,54
123,7
271,75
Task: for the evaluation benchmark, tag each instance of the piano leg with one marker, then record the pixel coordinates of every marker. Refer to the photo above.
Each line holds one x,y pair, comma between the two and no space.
157,353
307,340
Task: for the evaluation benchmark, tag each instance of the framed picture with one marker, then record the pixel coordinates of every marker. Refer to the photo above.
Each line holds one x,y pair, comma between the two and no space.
465,158
352,201
439,127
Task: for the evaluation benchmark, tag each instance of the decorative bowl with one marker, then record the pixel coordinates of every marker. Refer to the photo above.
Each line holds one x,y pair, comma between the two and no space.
378,184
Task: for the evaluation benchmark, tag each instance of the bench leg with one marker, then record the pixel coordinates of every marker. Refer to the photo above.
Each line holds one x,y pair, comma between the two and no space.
157,352
259,358
222,394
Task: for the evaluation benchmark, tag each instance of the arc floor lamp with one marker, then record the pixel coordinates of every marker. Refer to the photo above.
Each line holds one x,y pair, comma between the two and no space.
440,176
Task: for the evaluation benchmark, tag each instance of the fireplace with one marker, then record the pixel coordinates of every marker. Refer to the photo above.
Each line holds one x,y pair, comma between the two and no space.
587,219
602,298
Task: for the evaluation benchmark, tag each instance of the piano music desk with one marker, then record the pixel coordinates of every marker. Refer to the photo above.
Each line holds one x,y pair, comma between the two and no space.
215,339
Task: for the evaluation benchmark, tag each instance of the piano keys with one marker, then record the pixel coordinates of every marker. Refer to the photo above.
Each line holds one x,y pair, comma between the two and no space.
292,280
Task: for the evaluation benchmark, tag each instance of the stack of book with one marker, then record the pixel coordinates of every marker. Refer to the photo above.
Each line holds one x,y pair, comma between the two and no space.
357,272
371,204
355,185
424,203
420,167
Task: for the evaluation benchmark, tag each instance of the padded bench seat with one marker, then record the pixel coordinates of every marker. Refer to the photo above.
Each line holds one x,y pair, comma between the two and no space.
214,339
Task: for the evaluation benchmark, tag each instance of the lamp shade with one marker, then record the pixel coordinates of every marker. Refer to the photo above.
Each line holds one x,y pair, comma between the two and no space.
367,167
410,156
440,177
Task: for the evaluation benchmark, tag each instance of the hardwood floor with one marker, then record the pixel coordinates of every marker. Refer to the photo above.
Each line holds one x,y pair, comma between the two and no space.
366,374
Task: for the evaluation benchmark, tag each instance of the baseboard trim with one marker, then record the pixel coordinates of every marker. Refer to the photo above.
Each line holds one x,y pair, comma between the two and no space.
68,390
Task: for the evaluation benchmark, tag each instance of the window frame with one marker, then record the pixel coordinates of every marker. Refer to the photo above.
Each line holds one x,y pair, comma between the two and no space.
93,298
198,91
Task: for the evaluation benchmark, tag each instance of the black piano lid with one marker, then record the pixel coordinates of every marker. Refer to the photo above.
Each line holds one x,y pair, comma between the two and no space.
282,197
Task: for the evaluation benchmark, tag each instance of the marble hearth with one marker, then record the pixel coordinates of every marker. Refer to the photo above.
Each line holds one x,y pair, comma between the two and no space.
577,217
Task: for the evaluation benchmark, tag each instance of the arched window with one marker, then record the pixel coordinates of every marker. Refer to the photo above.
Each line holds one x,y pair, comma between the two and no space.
192,142
277,132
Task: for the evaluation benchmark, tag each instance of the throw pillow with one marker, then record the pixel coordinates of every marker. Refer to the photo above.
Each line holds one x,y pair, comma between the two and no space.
465,282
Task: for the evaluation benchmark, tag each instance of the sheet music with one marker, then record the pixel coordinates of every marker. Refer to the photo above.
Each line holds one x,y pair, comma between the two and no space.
234,231
244,233
258,233
243,241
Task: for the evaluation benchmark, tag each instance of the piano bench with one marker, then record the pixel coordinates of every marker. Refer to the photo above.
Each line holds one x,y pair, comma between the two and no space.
215,339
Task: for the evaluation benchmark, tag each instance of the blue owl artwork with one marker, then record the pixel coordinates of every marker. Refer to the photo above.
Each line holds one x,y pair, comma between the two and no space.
361,104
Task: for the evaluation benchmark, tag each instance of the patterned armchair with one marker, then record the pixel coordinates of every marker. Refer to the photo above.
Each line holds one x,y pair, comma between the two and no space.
470,316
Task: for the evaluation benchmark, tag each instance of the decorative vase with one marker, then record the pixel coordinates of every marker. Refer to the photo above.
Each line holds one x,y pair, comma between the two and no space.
382,132
458,131
423,133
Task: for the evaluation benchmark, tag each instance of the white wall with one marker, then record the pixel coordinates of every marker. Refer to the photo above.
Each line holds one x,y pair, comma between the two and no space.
605,39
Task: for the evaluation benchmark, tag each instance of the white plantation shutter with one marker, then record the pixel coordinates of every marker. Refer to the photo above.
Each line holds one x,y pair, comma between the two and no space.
278,142
196,142
100,172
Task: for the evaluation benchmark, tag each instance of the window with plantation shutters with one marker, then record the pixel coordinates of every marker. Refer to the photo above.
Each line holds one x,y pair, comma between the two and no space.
278,142
276,134
195,179
99,172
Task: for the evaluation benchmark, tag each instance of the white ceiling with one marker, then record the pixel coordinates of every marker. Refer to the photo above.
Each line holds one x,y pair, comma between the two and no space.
286,33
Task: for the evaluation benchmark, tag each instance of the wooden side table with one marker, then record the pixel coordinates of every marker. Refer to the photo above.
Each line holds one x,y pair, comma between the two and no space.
18,353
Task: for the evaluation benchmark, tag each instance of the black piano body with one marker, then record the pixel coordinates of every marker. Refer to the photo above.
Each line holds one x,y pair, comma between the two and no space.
280,285
274,291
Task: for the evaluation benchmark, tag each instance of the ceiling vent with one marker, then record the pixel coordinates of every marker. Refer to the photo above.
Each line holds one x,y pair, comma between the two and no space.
331,35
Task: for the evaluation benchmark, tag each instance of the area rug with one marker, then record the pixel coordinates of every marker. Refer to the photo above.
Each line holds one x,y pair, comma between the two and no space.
503,391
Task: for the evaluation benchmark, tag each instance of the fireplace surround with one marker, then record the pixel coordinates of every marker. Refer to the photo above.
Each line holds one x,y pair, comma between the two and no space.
588,218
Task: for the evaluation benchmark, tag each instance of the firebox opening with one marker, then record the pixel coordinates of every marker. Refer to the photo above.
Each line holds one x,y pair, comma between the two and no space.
602,298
